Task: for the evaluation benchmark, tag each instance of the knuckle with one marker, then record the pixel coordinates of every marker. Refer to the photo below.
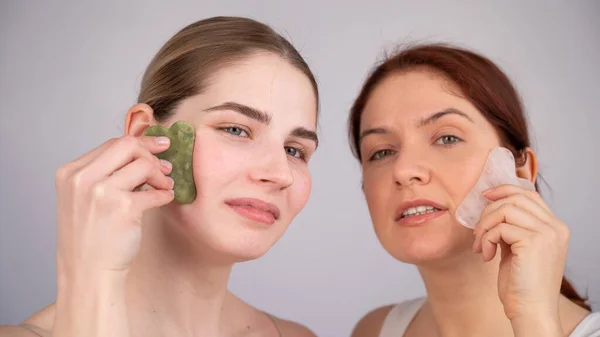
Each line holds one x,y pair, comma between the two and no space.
563,231
63,173
535,239
99,191
78,179
126,203
487,208
111,141
147,165
500,228
553,234
504,208
566,232
519,197
534,195
129,142
152,159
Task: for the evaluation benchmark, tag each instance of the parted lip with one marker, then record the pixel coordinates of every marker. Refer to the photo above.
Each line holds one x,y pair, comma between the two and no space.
255,203
414,203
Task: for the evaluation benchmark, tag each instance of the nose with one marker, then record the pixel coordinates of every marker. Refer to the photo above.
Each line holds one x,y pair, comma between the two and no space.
273,169
410,169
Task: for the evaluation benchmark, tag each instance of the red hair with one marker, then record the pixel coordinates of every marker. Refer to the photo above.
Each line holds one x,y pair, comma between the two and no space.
480,81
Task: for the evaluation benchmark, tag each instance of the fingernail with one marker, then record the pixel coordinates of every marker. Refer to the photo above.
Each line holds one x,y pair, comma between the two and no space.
171,181
165,163
162,140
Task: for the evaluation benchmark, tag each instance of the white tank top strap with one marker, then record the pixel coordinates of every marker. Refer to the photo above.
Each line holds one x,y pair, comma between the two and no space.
589,327
399,317
34,329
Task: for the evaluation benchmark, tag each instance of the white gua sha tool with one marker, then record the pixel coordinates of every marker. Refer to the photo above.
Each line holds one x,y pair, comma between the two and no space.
499,170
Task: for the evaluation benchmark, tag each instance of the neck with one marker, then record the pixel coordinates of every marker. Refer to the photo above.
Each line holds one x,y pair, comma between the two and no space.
173,288
463,297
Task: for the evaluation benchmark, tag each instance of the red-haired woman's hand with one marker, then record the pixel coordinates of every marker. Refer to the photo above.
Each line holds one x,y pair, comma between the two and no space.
533,246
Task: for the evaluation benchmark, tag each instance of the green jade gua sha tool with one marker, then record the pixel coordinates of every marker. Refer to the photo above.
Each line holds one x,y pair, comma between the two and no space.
179,154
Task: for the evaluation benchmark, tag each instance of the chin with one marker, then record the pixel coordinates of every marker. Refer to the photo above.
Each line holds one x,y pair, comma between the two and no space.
244,247
227,237
420,253
424,245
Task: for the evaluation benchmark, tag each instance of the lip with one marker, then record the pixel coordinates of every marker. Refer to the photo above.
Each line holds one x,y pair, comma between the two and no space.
418,219
255,209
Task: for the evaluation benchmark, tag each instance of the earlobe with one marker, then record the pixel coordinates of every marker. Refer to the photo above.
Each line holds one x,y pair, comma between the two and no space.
139,118
529,169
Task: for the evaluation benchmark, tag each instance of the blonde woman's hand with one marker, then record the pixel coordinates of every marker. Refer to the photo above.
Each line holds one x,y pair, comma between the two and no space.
99,213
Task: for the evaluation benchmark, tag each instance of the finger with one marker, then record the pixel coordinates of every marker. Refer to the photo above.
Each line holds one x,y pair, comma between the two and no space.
125,150
503,233
149,199
141,171
507,190
506,213
522,201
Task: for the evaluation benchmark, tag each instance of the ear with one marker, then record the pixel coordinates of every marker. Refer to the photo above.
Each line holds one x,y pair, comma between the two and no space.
139,118
529,169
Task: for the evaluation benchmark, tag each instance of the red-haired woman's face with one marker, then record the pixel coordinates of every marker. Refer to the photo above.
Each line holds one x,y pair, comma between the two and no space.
423,147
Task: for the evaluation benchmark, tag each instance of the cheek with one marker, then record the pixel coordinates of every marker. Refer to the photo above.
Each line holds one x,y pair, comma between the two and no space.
301,189
468,167
377,189
214,163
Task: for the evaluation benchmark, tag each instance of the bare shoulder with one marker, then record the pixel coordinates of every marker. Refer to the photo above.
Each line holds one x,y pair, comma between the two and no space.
293,329
370,324
15,331
571,314
43,319
40,322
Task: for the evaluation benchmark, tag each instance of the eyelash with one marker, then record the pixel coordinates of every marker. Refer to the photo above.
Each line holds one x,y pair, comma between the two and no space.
378,153
300,151
372,158
234,127
451,144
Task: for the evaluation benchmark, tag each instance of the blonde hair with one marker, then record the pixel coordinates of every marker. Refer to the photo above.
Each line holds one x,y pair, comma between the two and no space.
185,63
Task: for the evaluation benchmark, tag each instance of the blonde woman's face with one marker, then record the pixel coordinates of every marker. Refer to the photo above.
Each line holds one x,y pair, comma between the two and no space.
255,134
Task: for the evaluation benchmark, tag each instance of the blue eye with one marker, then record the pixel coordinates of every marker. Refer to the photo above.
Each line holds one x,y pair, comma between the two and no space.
294,152
381,154
236,131
291,151
447,140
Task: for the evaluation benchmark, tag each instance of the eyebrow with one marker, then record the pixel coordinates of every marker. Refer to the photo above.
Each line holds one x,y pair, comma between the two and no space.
245,110
373,131
438,115
265,118
421,123
302,132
